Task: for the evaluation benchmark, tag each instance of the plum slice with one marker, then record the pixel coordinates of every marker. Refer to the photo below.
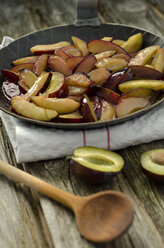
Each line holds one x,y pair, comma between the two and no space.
95,165
99,76
29,59
81,45
87,110
40,49
57,86
76,90
98,46
130,105
158,60
23,87
27,77
144,55
112,64
78,79
10,75
60,105
107,38
134,43
143,83
28,109
104,55
108,111
86,65
106,94
61,53
74,117
138,92
140,71
152,163
72,62
40,64
58,64
29,66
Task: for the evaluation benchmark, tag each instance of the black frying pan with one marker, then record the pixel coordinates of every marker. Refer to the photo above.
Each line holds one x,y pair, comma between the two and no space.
87,28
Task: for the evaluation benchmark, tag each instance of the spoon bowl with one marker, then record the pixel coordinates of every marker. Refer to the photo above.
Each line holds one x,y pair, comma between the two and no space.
101,217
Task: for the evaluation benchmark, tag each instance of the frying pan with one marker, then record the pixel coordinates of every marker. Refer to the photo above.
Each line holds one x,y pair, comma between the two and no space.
87,27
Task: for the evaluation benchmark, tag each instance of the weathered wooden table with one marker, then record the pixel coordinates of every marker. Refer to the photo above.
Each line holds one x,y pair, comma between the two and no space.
28,219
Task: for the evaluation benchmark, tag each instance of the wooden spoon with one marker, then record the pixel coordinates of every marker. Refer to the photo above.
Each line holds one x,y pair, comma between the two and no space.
100,217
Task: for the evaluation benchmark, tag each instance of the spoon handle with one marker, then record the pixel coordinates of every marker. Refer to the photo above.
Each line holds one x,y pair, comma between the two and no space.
41,186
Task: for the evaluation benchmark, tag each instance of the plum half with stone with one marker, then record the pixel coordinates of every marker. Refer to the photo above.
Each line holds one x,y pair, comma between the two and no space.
152,163
95,165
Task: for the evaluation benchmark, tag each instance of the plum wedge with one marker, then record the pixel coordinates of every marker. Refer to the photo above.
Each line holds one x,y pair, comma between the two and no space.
99,76
74,117
112,64
78,79
134,43
10,75
98,46
130,105
60,105
81,45
40,64
27,109
29,66
56,63
86,65
27,77
39,49
29,59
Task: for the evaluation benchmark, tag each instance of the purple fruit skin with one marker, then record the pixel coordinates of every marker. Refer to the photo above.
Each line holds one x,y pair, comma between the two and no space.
88,175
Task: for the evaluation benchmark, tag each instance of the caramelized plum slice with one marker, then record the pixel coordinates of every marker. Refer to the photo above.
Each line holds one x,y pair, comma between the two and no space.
62,54
134,43
74,117
29,59
99,76
138,92
23,87
158,61
81,45
122,56
86,110
86,65
106,94
144,55
72,62
27,77
98,46
140,71
144,83
130,105
76,90
10,75
108,111
78,79
40,64
30,110
60,105
39,86
29,66
107,38
95,165
152,163
104,55
39,49
56,63
112,64
57,86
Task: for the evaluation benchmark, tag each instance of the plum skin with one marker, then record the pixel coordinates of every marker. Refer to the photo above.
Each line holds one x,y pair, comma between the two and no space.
90,176
157,178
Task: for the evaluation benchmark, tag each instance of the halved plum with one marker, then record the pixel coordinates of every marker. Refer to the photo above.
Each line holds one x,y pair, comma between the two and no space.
130,105
95,165
152,163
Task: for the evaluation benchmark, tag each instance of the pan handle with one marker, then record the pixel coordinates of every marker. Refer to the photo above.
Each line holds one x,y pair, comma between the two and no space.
87,13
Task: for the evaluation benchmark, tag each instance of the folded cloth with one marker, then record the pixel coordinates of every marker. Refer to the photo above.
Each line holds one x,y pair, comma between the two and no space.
34,143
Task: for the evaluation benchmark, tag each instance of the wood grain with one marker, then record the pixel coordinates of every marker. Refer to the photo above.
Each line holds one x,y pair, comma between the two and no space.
29,219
